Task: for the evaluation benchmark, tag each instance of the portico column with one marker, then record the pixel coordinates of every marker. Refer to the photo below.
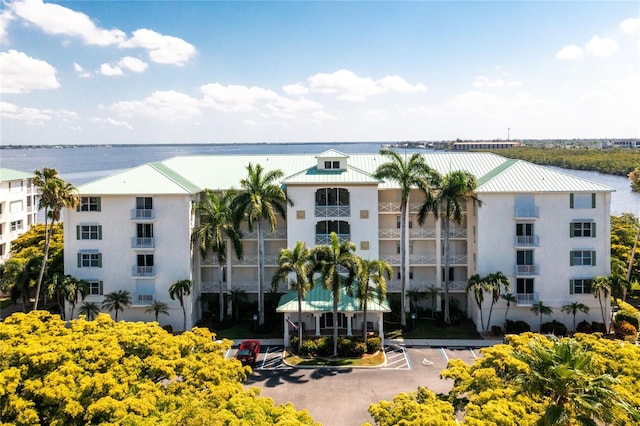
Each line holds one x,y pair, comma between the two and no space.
349,318
381,328
317,317
286,330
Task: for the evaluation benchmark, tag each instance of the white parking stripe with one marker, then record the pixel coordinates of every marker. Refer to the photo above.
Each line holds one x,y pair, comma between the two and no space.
473,353
444,355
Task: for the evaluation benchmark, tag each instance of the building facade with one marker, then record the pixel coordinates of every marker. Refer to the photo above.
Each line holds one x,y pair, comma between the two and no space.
18,207
543,229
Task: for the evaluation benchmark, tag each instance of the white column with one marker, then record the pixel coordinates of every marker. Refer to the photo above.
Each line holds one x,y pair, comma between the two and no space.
286,330
317,317
349,318
381,327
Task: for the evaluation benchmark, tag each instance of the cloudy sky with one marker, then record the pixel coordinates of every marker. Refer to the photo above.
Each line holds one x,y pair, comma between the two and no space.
206,71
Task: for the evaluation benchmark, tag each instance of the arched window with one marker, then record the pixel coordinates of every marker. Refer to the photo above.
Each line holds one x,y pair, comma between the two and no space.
332,202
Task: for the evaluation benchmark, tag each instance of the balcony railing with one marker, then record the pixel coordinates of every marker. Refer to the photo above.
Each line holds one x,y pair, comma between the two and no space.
143,242
142,299
458,232
422,259
143,271
422,233
252,260
526,299
525,270
333,211
142,214
326,238
389,233
458,259
527,241
522,212
278,234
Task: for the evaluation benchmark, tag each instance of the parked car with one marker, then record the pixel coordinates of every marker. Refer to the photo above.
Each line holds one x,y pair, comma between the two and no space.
248,352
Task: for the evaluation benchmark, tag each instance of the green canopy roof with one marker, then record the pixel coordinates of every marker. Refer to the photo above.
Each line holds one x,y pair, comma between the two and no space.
321,300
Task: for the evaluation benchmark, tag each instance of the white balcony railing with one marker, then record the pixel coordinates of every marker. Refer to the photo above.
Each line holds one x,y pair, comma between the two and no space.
458,259
142,214
458,232
278,234
143,271
522,212
389,233
422,259
525,270
526,299
422,233
252,260
143,242
333,211
526,241
326,238
142,299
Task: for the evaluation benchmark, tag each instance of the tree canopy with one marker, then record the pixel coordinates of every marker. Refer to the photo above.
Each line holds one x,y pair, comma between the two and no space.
90,372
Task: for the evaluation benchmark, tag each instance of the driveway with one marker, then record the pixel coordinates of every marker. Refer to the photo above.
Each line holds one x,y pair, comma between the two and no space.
341,396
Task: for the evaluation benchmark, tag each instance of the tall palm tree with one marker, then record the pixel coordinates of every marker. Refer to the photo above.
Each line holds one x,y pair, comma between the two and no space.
158,307
478,285
509,298
447,200
55,194
75,290
337,266
601,288
238,296
433,291
541,309
573,309
408,174
260,200
217,231
372,285
178,290
296,269
19,276
116,301
495,282
89,309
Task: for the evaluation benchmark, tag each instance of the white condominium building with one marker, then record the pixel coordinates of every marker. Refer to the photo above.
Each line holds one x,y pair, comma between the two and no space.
18,207
547,231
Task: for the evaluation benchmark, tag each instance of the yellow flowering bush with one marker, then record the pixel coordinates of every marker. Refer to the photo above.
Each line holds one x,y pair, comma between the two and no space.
102,372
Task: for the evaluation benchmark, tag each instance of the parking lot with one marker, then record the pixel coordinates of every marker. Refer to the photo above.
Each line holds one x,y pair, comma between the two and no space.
341,396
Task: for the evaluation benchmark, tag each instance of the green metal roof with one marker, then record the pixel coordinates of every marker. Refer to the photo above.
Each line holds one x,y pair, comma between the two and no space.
321,300
11,174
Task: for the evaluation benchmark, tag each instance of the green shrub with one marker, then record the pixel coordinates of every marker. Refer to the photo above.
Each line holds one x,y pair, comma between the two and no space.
583,327
309,347
630,317
373,344
518,327
623,329
324,346
598,327
295,342
554,327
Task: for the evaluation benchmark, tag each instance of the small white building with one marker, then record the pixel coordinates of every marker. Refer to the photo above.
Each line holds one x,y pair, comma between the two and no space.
18,207
547,231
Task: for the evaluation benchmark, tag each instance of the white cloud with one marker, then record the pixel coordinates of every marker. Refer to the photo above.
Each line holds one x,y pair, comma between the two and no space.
162,49
112,122
6,16
630,26
296,89
56,19
486,82
235,98
161,105
350,87
287,108
21,73
601,47
81,72
34,116
109,71
133,64
570,53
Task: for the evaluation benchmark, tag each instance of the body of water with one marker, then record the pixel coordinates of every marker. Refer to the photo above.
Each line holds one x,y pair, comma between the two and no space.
80,165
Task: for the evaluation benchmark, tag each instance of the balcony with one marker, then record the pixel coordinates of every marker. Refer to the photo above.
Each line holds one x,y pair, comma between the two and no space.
526,299
458,259
142,299
526,212
142,214
526,270
325,239
526,241
143,271
389,233
458,232
143,242
278,234
252,260
422,233
333,211
422,259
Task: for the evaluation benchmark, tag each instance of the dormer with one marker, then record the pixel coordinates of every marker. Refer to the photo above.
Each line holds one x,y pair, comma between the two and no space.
332,160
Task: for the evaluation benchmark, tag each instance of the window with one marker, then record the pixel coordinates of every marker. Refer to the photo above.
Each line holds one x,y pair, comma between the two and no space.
1,228
331,164
582,201
89,204
583,229
326,227
15,186
144,203
15,206
145,260
326,321
95,288
2,246
410,247
451,278
89,232
332,197
524,285
524,257
398,222
90,260
1,207
28,201
144,230
583,258
16,225
580,286
525,206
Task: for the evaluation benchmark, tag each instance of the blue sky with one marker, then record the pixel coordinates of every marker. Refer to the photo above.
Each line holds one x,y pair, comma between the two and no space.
205,71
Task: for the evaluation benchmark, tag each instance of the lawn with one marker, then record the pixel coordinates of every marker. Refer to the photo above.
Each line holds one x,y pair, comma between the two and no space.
366,361
429,329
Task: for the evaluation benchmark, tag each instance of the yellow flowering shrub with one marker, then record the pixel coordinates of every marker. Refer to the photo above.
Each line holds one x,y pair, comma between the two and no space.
103,372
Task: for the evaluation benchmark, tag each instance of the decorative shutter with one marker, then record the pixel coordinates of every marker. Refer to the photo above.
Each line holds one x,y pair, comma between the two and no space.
77,232
593,258
570,201
571,285
99,203
99,232
593,230
593,200
571,230
79,260
101,288
99,260
571,260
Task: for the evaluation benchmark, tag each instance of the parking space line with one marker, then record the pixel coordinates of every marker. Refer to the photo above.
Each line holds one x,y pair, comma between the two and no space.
473,353
397,359
444,355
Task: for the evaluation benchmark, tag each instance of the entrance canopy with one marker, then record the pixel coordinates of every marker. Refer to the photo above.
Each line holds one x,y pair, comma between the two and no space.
320,300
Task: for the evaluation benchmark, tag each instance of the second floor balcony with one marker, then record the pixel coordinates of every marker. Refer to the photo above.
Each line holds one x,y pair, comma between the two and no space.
526,270
143,242
333,211
142,214
526,241
143,271
526,299
325,239
142,299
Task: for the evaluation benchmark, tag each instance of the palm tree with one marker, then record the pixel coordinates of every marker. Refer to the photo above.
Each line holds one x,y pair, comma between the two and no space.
158,307
541,309
432,292
573,309
296,270
75,290
370,272
55,194
601,287
238,296
116,301
90,309
408,174
447,201
478,286
56,290
495,282
415,295
509,298
178,290
217,231
19,275
337,266
564,372
260,200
